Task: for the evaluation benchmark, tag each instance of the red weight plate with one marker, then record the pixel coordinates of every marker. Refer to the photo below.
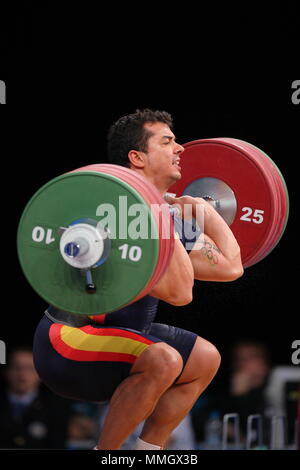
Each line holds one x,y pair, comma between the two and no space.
281,196
275,196
284,198
281,222
270,171
275,226
151,196
284,205
247,177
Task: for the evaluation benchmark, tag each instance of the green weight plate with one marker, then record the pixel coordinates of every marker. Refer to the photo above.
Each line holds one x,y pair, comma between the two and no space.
76,196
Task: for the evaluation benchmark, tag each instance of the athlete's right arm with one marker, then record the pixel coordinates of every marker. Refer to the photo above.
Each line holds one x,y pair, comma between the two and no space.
176,285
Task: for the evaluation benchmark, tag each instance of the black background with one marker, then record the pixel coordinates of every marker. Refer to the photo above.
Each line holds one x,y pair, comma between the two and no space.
71,72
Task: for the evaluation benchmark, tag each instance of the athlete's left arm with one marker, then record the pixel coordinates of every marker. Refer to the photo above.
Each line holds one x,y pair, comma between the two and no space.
216,254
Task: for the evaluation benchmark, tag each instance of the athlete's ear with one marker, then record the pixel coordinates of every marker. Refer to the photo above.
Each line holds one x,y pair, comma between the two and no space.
137,158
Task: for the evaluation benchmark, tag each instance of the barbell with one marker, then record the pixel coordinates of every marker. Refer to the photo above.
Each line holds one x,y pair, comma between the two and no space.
100,237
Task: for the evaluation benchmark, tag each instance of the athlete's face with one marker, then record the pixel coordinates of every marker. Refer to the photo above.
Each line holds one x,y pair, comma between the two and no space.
162,158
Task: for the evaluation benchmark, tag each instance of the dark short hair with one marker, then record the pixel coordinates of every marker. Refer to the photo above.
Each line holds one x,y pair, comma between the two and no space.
128,133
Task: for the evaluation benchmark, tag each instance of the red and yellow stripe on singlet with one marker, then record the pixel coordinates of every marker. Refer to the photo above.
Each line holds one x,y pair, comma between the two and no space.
97,344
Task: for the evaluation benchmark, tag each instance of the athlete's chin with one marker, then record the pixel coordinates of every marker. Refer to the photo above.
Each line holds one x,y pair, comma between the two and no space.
176,176
173,179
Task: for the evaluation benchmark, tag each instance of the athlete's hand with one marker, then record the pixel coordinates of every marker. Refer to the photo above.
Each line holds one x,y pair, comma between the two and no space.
187,205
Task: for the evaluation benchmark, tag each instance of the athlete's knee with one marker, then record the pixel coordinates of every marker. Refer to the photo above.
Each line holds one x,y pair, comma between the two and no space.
160,362
203,362
207,357
213,357
167,360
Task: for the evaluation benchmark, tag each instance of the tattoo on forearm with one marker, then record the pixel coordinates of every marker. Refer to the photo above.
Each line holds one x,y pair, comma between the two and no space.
210,246
212,258
208,250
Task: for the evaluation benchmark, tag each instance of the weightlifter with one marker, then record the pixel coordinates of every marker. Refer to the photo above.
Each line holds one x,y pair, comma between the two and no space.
148,371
